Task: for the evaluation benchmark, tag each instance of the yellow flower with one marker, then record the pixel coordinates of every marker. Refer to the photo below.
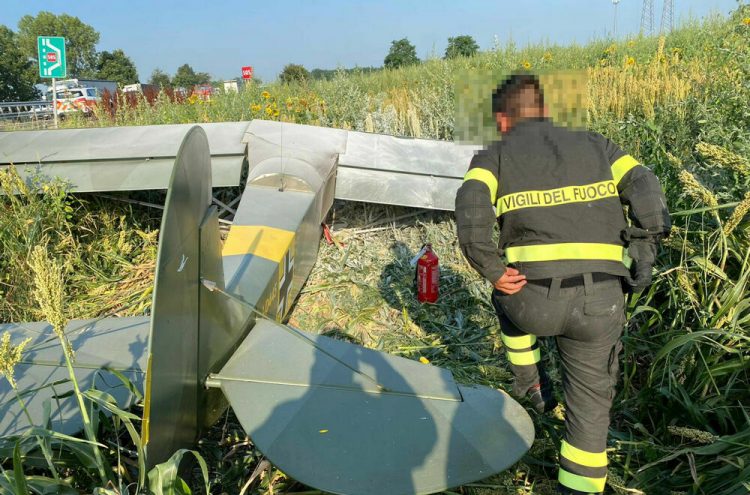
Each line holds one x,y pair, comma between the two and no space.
746,21
547,57
255,107
266,94
629,61
424,360
526,64
269,110
276,113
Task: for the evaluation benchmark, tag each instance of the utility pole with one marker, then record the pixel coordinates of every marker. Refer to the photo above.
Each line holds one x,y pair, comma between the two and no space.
614,29
647,18
667,17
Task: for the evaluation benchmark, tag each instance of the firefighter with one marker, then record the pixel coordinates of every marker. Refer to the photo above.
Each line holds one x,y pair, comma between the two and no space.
565,255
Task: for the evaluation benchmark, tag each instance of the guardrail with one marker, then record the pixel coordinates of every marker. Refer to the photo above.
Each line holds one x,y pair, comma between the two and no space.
25,110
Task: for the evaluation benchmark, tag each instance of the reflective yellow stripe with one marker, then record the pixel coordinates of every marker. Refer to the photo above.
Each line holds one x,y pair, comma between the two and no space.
483,175
525,357
266,242
522,342
566,251
622,166
581,483
582,457
554,197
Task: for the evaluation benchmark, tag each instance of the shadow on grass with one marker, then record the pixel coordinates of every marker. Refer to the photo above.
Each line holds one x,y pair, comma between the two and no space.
457,321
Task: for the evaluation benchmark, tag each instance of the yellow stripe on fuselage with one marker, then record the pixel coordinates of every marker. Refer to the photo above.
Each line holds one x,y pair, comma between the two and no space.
267,242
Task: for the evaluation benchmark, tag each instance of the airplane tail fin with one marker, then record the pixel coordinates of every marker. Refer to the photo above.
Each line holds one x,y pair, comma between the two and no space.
181,352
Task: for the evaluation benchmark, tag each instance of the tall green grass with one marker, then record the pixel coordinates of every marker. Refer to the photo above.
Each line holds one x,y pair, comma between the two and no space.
681,421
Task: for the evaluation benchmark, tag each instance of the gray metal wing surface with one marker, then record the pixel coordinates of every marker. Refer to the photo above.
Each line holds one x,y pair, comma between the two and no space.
114,343
373,168
120,158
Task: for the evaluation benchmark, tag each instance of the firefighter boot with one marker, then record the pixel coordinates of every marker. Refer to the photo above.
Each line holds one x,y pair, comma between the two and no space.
541,394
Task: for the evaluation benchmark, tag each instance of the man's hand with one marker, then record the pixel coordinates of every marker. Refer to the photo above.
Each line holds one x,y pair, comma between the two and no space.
511,281
641,277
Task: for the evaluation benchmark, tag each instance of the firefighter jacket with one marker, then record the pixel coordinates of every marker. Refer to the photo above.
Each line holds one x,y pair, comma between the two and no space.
558,197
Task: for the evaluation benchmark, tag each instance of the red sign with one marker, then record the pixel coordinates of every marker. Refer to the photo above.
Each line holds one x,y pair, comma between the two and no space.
247,72
51,57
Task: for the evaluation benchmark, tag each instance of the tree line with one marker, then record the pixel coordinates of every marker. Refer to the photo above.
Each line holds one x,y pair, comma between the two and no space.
19,67
19,73
401,53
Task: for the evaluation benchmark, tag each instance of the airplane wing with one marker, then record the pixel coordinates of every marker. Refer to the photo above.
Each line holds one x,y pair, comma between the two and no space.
373,168
114,343
337,416
120,158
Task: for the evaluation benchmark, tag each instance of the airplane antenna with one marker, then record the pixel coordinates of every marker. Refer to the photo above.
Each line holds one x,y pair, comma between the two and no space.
213,287
281,152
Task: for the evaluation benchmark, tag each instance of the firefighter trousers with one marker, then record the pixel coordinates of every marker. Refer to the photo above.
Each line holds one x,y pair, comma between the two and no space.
586,315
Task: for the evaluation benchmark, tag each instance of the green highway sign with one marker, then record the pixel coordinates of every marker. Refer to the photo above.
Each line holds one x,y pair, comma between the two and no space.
52,61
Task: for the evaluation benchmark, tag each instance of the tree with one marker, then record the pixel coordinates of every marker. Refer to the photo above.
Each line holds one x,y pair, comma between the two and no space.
402,53
294,72
80,40
160,78
186,77
461,46
116,66
17,75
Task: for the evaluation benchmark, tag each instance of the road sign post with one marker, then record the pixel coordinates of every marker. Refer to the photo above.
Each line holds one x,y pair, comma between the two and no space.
52,63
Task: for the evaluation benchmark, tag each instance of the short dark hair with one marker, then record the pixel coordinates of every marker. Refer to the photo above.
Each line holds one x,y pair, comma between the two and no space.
511,96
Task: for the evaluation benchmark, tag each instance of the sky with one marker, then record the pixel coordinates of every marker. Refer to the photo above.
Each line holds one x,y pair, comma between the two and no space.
219,37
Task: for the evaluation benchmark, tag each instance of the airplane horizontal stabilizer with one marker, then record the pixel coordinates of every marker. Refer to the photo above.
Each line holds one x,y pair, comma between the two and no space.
115,343
346,419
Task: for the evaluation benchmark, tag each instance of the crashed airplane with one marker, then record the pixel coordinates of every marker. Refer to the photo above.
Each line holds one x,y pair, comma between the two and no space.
333,415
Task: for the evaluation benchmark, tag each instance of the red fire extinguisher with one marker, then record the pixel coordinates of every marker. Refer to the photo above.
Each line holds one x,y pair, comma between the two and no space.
428,275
